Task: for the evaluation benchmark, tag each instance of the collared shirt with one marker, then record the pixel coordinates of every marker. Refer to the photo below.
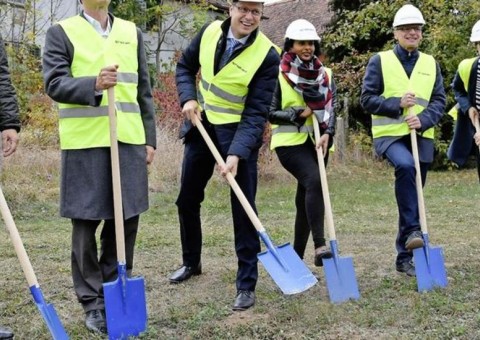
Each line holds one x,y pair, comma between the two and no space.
242,41
98,27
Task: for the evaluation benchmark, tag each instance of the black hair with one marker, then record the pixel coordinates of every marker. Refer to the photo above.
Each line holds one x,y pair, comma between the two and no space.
289,44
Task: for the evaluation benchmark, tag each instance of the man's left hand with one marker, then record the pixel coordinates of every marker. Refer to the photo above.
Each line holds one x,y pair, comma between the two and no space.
413,122
150,153
230,166
9,141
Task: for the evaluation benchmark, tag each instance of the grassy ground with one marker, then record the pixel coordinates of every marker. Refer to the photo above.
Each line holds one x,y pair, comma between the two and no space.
365,219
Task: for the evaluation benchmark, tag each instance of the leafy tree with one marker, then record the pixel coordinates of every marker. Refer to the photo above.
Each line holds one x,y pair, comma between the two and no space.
168,20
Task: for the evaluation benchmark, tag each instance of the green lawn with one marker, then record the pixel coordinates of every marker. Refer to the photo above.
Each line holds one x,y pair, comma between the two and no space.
365,219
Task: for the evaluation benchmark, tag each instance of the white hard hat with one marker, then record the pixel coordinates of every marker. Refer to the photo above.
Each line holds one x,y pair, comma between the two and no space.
301,29
408,15
475,37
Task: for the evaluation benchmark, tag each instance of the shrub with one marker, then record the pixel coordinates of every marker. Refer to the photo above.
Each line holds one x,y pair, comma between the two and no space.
40,121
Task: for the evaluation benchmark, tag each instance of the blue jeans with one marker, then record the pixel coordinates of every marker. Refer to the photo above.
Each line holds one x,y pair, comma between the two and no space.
400,155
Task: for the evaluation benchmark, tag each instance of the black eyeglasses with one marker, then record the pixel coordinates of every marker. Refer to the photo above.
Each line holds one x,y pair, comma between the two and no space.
244,10
409,28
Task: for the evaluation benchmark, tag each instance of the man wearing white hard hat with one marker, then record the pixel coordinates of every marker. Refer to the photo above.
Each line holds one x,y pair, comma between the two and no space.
239,67
467,94
403,90
305,88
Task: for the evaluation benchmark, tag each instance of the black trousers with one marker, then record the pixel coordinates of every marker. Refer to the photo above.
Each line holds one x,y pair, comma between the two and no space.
197,169
302,162
90,271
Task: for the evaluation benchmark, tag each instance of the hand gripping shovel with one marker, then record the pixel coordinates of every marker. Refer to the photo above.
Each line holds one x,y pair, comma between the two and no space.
125,305
47,310
339,271
429,262
282,263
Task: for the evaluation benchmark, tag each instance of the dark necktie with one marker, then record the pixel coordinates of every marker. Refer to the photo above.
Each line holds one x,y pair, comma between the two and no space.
232,45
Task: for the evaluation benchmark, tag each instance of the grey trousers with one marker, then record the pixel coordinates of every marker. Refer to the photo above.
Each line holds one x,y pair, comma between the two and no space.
90,271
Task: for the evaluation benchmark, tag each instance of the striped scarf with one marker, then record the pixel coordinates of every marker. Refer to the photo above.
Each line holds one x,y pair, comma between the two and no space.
311,81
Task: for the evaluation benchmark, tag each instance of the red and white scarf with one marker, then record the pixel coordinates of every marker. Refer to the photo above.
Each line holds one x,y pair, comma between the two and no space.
311,81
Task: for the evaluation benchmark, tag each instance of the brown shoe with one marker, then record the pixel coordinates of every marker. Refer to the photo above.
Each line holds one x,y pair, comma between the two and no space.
414,240
322,253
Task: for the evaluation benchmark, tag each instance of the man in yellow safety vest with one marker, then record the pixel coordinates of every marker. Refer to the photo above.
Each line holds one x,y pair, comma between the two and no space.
403,90
239,68
84,56
467,94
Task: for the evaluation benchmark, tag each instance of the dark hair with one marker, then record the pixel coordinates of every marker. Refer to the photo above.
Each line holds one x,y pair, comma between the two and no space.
289,44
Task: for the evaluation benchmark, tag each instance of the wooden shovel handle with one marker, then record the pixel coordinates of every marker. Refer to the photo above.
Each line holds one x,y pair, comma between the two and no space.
117,188
17,242
418,182
231,180
323,179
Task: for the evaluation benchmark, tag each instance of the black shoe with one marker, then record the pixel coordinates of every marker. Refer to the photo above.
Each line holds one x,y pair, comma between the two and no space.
323,253
414,240
244,300
407,268
95,321
185,273
5,334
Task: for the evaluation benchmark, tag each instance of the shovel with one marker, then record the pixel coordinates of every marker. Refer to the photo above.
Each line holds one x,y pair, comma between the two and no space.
282,263
47,310
339,271
429,262
125,305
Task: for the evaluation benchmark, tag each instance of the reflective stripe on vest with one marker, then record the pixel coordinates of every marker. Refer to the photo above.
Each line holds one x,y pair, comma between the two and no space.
287,134
464,70
83,126
222,95
396,83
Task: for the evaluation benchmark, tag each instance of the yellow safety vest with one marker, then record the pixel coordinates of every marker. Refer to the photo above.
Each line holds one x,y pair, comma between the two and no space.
396,83
454,112
288,134
83,126
464,70
223,94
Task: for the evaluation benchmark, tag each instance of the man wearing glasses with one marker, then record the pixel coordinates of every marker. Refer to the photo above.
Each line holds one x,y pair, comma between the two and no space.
239,68
403,90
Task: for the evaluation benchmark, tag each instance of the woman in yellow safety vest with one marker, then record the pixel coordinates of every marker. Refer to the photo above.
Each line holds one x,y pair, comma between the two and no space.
303,89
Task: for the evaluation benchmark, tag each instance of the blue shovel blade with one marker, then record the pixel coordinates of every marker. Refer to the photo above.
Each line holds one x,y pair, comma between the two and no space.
53,322
125,307
429,268
341,280
292,276
49,315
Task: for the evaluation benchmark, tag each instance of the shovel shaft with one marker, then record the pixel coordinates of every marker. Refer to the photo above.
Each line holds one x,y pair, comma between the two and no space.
418,182
17,242
231,180
323,179
117,189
